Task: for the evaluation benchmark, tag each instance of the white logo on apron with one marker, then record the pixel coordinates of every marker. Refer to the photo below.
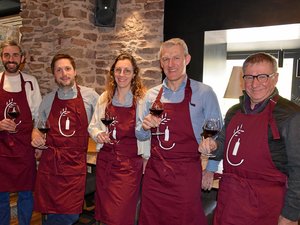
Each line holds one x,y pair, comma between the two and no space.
10,104
165,120
114,131
67,124
236,133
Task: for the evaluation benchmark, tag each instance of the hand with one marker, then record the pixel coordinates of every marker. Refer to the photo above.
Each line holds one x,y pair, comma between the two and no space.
38,141
284,221
103,137
38,154
144,165
8,125
207,145
150,121
37,138
207,180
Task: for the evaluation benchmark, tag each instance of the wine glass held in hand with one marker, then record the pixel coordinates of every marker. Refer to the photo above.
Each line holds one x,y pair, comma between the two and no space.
107,121
157,109
13,112
44,127
211,128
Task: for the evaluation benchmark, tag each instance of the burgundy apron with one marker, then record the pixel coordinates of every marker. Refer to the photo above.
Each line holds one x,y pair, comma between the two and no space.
252,189
119,170
17,162
172,182
60,183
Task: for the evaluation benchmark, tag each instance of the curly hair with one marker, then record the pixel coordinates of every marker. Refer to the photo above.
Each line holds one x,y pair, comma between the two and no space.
137,87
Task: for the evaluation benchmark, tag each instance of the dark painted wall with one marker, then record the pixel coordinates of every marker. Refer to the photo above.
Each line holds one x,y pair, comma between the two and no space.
190,19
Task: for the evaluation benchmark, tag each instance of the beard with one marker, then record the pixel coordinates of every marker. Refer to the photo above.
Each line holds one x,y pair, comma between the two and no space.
64,85
10,69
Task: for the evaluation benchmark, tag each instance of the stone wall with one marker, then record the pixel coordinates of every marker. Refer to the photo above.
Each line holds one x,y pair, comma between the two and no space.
67,26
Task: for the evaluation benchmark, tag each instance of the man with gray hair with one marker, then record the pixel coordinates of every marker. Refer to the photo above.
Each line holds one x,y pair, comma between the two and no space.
260,143
171,192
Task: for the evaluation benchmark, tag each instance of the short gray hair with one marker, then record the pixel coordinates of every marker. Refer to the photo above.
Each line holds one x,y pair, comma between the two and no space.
171,42
260,57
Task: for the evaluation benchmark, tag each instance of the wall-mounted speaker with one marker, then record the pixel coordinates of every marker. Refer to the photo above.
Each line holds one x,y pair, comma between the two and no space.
105,13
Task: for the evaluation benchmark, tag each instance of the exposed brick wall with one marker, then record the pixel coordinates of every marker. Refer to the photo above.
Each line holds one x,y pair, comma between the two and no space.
67,26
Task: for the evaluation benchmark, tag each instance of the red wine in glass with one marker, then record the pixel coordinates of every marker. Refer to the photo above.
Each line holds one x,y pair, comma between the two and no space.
13,112
209,133
156,112
211,128
107,121
44,130
44,127
157,109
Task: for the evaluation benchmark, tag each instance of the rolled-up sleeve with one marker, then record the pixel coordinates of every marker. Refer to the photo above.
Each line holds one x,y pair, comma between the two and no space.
141,111
95,125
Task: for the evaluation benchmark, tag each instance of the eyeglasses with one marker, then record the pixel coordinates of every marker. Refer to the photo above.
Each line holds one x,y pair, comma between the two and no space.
260,77
125,71
13,55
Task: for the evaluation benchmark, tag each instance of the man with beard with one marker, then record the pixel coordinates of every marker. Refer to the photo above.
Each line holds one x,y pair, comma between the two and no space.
17,162
60,182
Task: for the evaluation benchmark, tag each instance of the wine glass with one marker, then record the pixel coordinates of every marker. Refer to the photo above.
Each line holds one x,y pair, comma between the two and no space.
211,128
43,126
107,121
157,109
13,112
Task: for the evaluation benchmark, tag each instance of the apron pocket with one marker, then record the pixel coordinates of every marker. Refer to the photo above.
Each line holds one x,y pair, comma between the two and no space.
237,202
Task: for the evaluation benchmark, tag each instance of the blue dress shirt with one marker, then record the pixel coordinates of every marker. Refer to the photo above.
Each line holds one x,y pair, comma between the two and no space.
204,104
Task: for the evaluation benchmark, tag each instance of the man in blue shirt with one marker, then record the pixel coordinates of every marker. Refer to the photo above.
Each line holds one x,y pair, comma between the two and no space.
172,181
60,183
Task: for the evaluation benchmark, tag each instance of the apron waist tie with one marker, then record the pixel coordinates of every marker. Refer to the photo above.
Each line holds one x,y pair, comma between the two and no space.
278,180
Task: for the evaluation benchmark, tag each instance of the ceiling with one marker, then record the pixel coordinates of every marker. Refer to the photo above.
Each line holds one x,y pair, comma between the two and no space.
9,7
257,38
244,39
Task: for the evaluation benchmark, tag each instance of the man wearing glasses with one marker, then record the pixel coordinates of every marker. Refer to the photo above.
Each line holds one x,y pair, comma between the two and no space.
260,143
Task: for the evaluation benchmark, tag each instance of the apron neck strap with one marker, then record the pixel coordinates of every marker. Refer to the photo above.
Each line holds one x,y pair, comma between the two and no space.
272,122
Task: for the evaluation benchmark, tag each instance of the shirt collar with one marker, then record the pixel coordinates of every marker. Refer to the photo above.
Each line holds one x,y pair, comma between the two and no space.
128,100
182,85
245,99
69,93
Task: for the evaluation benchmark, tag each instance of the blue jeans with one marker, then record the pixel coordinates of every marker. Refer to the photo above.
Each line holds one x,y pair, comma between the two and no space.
24,207
60,219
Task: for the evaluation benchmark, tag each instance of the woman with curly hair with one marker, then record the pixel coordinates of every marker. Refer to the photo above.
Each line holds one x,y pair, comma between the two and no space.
120,160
